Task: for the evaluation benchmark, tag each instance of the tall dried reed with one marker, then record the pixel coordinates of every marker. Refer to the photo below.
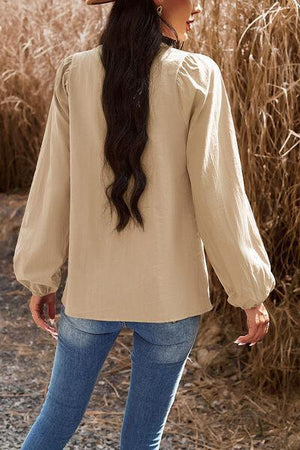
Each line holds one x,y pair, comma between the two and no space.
256,46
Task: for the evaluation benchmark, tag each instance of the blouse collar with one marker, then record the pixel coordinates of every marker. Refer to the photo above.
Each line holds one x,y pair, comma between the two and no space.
171,42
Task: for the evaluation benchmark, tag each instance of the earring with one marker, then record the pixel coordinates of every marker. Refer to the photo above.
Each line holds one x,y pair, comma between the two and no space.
159,10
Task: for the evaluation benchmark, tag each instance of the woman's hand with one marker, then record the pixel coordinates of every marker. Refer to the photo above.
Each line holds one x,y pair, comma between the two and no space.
258,325
37,305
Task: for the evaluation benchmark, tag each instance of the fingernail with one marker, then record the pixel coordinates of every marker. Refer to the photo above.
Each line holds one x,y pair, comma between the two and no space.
242,343
252,343
236,341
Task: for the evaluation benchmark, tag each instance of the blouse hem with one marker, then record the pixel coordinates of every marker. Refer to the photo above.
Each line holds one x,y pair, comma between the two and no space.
73,312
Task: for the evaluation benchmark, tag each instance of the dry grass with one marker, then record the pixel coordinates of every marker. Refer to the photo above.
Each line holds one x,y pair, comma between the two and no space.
35,35
256,45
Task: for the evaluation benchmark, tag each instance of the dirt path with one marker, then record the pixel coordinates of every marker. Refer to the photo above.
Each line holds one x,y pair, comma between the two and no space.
214,407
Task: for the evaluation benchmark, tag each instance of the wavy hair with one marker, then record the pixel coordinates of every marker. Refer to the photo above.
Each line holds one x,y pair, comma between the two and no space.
130,42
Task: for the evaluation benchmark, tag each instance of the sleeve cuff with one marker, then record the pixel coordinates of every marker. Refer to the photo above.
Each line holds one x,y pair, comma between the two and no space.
239,300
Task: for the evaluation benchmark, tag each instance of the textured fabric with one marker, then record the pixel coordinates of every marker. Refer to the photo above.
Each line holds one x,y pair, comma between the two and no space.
195,199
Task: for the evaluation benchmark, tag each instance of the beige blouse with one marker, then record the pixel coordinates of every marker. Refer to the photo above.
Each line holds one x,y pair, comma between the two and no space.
194,199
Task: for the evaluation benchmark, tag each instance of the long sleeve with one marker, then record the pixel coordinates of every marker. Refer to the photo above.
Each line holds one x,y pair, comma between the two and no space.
42,243
225,220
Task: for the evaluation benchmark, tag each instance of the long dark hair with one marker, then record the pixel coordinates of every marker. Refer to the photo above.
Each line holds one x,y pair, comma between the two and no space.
130,41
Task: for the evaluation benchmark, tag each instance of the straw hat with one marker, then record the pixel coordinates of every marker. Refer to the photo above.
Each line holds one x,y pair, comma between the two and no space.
97,2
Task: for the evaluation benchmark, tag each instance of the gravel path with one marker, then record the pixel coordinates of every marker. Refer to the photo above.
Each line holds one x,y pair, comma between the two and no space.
215,407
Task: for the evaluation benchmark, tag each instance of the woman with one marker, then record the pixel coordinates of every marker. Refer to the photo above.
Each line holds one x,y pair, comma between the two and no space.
160,149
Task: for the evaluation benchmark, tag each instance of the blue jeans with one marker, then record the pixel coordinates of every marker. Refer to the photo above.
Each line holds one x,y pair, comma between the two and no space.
158,356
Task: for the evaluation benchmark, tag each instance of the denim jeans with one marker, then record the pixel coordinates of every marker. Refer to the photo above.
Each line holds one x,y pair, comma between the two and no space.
158,356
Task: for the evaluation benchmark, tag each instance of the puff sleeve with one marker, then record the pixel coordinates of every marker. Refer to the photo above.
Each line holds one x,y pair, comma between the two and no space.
224,217
42,243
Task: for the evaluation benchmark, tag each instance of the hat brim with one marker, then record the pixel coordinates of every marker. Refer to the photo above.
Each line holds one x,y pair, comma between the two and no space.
98,2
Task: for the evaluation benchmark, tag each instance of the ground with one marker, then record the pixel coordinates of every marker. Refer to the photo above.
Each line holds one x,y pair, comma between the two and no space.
215,407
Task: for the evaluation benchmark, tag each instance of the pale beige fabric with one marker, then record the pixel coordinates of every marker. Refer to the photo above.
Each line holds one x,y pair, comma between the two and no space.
195,197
